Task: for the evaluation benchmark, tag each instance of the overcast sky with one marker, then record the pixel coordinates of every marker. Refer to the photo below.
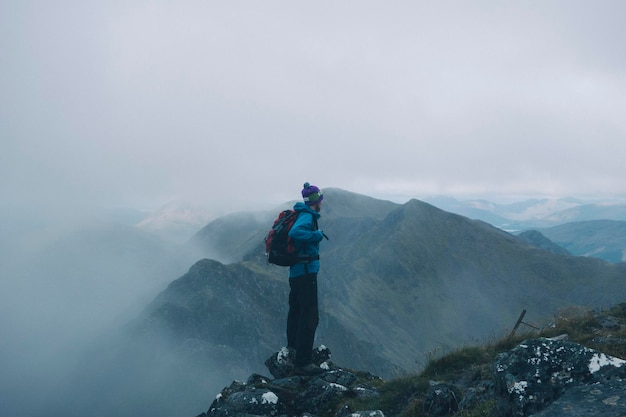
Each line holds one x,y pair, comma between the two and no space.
142,102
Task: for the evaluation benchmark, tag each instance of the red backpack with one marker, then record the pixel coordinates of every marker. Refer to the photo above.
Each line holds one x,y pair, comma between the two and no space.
279,247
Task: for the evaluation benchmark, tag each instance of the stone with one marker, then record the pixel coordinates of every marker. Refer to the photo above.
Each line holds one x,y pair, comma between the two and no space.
441,400
346,411
281,363
481,391
609,322
539,371
289,394
614,341
606,399
247,401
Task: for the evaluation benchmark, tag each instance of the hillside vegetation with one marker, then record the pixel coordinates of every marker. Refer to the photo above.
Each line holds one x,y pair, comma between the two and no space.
404,397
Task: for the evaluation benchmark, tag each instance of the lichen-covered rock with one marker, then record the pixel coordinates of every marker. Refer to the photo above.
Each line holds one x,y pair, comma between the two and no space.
290,394
346,411
319,395
603,399
255,401
537,372
281,363
479,392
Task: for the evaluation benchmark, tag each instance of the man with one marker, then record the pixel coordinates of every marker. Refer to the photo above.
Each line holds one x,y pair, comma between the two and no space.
303,314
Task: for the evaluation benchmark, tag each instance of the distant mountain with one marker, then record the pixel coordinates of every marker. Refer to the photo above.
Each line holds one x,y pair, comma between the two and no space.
532,213
398,281
232,237
585,212
176,221
538,240
604,239
475,209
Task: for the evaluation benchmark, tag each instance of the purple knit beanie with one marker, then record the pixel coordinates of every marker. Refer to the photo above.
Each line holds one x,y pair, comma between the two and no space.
311,194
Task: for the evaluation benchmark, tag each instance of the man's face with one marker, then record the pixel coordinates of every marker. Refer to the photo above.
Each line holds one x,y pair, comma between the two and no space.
318,206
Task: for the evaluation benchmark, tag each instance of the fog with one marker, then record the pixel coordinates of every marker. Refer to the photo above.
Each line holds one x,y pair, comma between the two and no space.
71,288
138,103
234,105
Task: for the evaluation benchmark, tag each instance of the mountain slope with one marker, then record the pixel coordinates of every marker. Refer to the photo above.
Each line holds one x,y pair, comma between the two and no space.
423,278
228,238
403,280
538,240
604,239
235,315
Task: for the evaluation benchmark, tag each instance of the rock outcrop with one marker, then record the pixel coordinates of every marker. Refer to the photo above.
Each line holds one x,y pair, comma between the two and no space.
538,378
542,373
292,395
604,399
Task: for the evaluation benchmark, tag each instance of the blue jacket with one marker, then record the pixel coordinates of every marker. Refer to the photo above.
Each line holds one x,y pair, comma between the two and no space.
307,240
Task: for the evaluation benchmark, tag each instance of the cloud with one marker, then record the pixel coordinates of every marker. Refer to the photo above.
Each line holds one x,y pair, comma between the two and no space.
143,102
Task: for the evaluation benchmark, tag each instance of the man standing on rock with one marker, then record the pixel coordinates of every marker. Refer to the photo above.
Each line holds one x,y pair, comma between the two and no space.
303,314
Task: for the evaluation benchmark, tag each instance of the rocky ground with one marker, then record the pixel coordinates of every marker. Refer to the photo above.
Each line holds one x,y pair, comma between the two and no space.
543,377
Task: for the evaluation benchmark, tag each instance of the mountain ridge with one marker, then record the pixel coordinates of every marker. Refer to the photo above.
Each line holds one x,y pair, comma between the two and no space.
451,263
533,213
409,279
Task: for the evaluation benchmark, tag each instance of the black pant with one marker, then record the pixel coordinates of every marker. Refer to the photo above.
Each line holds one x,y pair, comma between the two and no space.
303,317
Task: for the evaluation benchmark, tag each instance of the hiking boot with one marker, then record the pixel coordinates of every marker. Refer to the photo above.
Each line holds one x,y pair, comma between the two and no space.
309,370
